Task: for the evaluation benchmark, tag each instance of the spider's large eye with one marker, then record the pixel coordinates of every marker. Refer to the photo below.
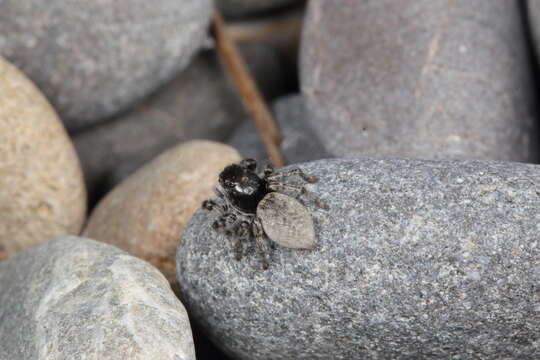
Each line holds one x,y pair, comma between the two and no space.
228,184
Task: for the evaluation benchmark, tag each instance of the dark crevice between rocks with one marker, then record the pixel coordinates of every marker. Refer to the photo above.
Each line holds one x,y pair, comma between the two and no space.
299,4
534,64
204,347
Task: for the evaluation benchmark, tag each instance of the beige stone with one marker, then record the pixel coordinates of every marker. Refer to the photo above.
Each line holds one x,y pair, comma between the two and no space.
146,213
42,192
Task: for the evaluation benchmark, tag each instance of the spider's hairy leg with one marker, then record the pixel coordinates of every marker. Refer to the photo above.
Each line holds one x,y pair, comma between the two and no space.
269,171
242,234
298,189
210,205
292,172
261,243
249,164
225,222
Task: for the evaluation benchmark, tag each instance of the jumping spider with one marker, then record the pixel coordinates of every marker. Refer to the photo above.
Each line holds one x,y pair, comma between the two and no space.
253,206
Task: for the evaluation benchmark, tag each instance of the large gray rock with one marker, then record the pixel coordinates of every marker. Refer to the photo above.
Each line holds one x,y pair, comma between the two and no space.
95,58
299,141
249,7
198,104
74,298
415,259
427,79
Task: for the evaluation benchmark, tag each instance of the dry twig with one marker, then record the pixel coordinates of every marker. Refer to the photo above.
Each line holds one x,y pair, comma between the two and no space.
249,94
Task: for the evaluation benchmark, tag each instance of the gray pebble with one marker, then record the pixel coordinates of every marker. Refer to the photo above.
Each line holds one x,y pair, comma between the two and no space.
198,104
74,298
93,59
424,79
415,259
299,143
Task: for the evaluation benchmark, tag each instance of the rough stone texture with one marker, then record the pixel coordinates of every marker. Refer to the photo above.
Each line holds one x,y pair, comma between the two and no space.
42,192
300,143
235,8
200,103
74,298
95,58
414,259
426,79
145,214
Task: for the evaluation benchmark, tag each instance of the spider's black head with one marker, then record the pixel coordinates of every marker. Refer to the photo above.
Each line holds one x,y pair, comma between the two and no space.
242,187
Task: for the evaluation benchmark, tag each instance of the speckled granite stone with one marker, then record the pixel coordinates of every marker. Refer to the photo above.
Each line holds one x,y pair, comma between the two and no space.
299,141
415,259
95,58
75,298
425,79
42,191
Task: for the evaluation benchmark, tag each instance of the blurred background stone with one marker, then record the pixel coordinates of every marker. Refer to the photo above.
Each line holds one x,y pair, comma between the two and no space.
75,298
93,59
199,104
146,214
237,8
42,191
415,259
299,141
428,79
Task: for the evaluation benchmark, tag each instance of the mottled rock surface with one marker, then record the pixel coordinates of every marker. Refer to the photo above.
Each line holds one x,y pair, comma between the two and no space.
95,58
426,79
144,214
199,104
236,8
75,298
299,141
414,259
42,192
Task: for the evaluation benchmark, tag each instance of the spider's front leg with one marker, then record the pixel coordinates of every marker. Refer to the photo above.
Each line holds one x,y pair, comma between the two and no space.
273,175
261,244
298,189
224,223
242,234
210,205
249,164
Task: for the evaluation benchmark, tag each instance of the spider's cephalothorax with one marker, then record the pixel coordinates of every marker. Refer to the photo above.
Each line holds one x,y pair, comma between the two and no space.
250,207
243,187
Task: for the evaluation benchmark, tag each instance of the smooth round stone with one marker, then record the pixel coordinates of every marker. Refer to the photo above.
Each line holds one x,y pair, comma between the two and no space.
424,79
299,142
75,298
235,8
199,104
414,259
145,213
42,192
93,59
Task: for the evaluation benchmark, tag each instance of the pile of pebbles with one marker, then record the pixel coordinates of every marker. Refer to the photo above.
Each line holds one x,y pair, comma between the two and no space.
419,119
